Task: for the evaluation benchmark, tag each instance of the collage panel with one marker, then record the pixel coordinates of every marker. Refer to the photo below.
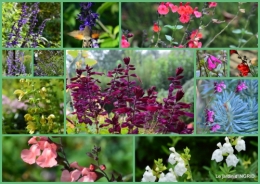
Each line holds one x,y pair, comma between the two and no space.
228,106
32,106
211,63
243,63
48,63
189,24
91,25
196,159
129,92
16,63
67,159
31,25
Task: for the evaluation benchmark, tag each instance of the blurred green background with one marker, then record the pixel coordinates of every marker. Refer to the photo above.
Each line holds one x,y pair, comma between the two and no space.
116,153
108,16
148,149
137,17
27,61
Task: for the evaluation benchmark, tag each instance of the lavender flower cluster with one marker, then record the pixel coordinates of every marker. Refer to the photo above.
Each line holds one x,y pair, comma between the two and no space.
28,20
14,63
86,16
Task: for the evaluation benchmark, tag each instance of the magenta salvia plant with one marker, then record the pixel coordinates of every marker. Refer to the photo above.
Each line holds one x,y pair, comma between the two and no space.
140,111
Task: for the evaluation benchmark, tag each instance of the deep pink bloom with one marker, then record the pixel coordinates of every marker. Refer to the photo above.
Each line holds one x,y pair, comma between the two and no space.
29,156
173,7
209,116
197,13
212,62
194,44
47,159
163,9
125,43
184,18
218,87
215,127
241,86
212,4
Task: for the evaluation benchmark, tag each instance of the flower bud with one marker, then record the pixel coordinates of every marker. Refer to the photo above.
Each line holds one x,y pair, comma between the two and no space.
127,60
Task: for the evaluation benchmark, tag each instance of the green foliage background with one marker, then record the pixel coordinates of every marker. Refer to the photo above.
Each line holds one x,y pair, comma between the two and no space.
137,17
201,149
116,153
108,15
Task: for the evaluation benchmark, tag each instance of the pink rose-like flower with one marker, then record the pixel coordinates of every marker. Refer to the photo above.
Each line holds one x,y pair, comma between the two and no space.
85,173
125,43
197,13
47,159
163,9
212,4
29,156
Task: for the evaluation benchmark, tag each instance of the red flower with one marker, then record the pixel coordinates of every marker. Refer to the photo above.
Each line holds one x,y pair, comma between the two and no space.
244,69
233,52
195,35
163,9
173,7
156,28
212,4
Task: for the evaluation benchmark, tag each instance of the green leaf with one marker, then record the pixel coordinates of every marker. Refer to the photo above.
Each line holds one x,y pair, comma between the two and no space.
110,28
109,43
237,31
104,6
169,26
232,46
248,33
168,37
179,26
116,30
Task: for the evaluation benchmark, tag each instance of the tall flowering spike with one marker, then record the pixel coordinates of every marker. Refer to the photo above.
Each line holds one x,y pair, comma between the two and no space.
86,16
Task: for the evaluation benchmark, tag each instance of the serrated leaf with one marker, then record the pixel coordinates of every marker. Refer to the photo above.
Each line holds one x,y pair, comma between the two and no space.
237,31
168,37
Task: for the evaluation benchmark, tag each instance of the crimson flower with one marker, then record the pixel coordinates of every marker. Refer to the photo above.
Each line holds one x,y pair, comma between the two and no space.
244,69
156,27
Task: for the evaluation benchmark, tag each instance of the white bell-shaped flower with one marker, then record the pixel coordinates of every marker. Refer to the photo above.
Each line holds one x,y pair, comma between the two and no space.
172,149
217,155
241,145
232,160
171,158
180,168
148,175
170,176
227,147
162,178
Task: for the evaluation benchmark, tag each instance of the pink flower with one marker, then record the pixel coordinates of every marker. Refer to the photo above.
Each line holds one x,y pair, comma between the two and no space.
125,43
163,9
173,7
215,127
197,13
218,87
184,18
180,46
29,156
212,4
47,159
212,62
194,44
241,86
209,115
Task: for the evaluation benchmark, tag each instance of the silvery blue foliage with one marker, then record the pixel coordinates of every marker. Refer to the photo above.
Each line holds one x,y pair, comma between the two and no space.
235,112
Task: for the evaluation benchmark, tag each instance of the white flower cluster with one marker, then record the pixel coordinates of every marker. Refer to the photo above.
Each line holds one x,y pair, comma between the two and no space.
179,169
227,148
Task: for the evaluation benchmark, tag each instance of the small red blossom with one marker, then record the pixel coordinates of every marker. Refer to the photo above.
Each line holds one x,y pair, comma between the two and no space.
194,44
196,13
233,52
163,9
244,69
196,35
212,4
125,43
156,27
